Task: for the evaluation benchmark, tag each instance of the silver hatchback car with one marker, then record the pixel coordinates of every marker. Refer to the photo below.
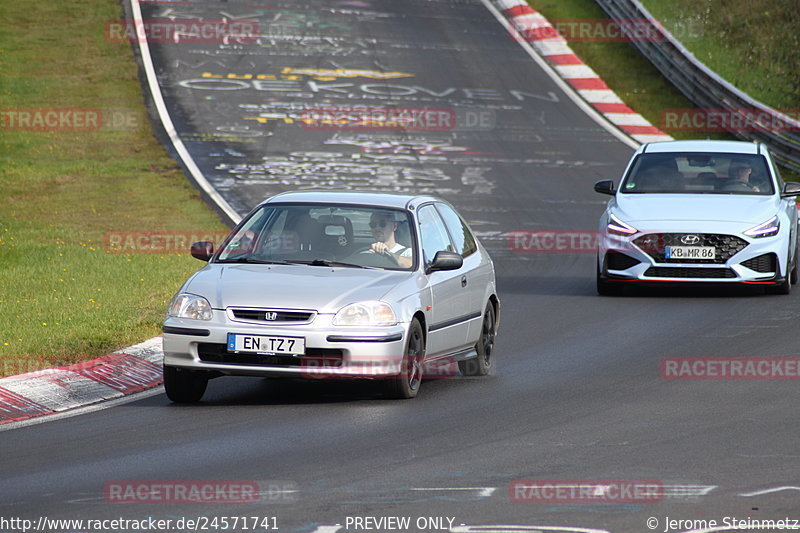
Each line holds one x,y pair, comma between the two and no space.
335,285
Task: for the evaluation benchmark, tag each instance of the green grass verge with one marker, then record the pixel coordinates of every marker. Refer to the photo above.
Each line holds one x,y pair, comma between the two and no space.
63,296
753,45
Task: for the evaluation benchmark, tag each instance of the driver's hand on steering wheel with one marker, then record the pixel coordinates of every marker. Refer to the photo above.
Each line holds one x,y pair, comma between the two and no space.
380,248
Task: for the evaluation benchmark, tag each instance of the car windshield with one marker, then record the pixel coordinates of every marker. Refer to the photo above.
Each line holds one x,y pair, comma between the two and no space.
323,235
699,173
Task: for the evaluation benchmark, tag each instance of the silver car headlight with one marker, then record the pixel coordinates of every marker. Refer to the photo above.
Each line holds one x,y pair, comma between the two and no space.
371,313
189,306
765,229
618,227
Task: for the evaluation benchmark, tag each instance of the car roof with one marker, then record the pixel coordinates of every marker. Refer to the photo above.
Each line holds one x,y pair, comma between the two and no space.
735,147
365,198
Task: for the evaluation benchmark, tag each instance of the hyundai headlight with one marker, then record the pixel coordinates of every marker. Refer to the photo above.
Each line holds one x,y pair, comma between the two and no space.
365,314
765,229
618,227
189,306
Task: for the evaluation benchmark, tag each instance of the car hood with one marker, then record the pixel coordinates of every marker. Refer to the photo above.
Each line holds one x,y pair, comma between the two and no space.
324,289
695,207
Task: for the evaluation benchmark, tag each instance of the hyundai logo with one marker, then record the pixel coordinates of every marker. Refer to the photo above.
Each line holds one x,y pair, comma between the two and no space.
690,239
270,315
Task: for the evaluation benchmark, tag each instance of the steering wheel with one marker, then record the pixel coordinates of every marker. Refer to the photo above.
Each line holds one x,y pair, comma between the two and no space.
382,258
739,185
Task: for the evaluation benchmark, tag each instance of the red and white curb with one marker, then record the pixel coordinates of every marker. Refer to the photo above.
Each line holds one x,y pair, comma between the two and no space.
51,391
545,39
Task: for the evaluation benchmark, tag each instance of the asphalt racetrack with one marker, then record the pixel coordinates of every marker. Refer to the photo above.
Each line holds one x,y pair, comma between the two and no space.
578,392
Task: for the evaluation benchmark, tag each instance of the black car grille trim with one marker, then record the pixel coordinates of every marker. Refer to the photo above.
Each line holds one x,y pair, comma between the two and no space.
689,272
280,316
653,244
185,331
314,357
763,263
619,261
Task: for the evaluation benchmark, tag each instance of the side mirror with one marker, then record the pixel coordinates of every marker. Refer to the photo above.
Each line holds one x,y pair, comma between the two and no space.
605,187
790,188
202,250
444,260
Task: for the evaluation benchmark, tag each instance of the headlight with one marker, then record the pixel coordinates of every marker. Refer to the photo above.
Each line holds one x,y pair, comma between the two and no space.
765,229
618,227
365,314
189,306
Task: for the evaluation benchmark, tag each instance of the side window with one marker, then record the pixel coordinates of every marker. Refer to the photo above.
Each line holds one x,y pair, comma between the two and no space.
462,236
433,233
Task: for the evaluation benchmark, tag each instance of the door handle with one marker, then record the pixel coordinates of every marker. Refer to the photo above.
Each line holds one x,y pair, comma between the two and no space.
463,281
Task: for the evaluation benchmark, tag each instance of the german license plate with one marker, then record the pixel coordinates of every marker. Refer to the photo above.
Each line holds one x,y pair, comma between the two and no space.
691,252
266,344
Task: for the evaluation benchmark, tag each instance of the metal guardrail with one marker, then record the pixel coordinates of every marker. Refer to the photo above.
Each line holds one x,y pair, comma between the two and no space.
704,87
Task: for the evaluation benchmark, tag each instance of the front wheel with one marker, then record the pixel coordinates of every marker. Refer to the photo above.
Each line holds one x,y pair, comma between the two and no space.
608,288
482,364
406,384
184,386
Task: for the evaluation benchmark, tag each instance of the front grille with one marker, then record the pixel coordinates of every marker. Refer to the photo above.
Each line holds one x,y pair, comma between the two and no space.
689,272
763,263
272,316
619,261
314,357
726,246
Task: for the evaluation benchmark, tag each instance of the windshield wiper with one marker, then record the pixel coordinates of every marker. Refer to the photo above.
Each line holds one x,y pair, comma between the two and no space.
250,260
326,263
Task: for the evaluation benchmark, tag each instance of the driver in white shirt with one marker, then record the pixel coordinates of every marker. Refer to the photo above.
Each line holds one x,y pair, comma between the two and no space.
383,226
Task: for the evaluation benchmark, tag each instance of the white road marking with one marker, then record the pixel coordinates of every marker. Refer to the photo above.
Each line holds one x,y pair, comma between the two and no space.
523,529
169,127
484,492
768,491
731,529
491,529
687,491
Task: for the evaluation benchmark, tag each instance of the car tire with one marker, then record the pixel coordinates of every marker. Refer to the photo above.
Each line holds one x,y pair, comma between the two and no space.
606,288
406,384
481,365
184,386
793,274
